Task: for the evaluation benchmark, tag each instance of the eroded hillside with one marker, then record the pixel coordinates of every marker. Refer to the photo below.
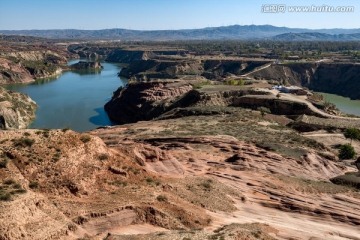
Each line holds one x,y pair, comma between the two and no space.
17,110
196,174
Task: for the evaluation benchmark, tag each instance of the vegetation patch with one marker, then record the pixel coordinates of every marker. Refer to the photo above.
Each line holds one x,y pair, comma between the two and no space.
103,156
23,142
162,198
235,82
152,181
9,189
349,179
33,185
85,138
313,187
346,151
352,133
3,161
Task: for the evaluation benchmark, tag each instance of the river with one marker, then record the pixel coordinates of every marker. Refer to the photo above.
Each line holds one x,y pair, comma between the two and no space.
344,104
75,99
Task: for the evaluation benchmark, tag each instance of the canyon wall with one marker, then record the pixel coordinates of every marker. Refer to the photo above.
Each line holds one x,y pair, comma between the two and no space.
341,79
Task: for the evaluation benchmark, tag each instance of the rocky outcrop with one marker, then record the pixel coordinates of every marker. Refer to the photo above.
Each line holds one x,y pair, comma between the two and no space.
17,110
144,101
11,72
25,66
275,105
148,100
38,55
85,65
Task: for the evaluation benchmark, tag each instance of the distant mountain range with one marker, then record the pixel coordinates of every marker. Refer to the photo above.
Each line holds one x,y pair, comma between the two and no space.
234,32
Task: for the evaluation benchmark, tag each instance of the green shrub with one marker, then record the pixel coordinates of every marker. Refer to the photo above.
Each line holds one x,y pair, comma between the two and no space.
346,151
3,163
151,181
119,183
17,186
161,198
46,133
207,184
23,142
352,133
33,185
9,181
201,84
56,156
18,191
10,188
65,129
234,82
5,196
103,156
85,138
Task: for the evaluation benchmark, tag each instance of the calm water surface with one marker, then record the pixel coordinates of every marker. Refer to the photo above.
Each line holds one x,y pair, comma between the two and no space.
345,105
74,99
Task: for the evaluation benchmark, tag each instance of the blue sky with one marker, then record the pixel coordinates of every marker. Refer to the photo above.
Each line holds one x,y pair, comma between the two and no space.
166,14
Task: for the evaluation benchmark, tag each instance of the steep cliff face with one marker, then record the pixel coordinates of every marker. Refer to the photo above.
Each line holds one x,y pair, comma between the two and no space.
129,55
17,110
91,52
25,66
341,79
126,56
149,69
11,72
144,101
83,65
294,74
211,69
217,69
47,55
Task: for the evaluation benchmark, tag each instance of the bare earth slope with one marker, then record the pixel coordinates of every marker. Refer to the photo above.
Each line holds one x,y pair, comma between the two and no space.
292,195
185,175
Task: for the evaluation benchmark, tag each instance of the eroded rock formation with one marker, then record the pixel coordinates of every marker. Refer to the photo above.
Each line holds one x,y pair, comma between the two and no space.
17,110
144,101
86,65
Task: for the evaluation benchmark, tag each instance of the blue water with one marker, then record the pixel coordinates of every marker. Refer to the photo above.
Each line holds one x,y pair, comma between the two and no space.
344,104
74,100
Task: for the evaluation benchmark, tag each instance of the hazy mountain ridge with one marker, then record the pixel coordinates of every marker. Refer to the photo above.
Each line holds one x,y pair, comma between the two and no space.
234,32
317,36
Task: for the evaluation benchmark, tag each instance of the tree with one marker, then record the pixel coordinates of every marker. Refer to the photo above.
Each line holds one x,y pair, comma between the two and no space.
352,133
346,151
